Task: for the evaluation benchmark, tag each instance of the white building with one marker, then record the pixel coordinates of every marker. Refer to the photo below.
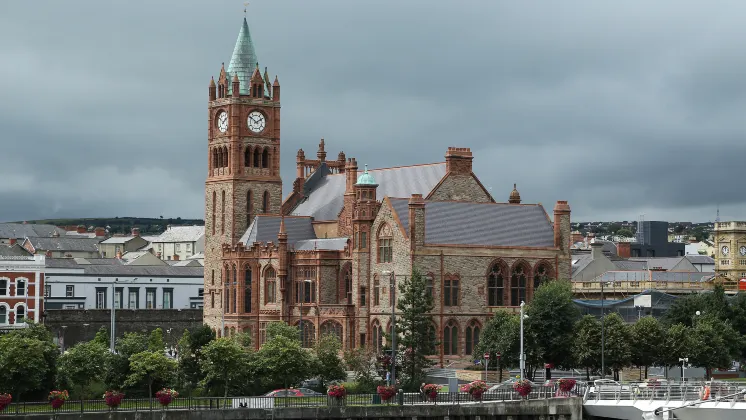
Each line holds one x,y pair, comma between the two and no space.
178,242
70,285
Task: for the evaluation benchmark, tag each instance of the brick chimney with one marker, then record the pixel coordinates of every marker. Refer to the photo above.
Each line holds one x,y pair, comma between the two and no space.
119,255
12,241
176,257
458,160
416,221
81,229
48,254
100,232
135,231
624,249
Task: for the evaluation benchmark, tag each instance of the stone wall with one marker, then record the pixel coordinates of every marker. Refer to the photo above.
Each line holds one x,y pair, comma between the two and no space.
554,409
456,187
127,320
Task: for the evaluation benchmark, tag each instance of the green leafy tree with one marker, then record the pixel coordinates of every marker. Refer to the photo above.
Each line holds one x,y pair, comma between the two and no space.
149,367
243,339
617,349
552,316
50,349
714,344
587,344
362,362
190,353
23,366
82,364
676,344
281,361
625,233
102,337
329,366
414,326
155,340
118,365
225,363
501,334
646,349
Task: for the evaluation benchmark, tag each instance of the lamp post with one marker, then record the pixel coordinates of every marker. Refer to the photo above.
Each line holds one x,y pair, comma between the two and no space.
603,330
684,361
392,285
522,356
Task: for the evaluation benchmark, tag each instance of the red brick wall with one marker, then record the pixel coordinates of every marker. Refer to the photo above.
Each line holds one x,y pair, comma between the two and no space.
11,300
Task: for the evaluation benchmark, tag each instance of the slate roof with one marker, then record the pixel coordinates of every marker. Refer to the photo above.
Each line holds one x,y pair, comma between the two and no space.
327,244
180,234
580,261
21,231
665,263
118,240
14,250
63,243
265,229
700,259
143,270
466,223
630,265
325,192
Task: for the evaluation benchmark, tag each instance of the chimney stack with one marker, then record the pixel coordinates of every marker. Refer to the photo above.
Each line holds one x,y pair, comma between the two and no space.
119,255
596,250
12,241
458,160
135,231
100,232
176,257
81,229
416,221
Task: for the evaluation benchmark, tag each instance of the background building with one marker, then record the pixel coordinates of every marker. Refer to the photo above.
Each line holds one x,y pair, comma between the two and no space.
730,255
21,282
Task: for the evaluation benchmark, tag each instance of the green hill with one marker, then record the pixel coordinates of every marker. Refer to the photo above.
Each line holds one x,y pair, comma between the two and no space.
147,225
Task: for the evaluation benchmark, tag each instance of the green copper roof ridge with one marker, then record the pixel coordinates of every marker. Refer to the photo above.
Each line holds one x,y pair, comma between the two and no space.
244,59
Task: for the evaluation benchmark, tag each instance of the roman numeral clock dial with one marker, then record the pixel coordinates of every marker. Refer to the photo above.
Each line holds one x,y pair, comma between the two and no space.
256,121
223,122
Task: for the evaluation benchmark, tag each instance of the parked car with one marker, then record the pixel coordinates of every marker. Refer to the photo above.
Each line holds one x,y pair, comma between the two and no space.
293,392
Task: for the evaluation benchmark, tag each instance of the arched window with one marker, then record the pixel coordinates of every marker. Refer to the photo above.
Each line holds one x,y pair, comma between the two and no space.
346,285
235,290
265,202
308,334
247,157
222,212
450,339
249,207
496,285
518,285
376,290
385,242
542,274
257,158
472,337
270,285
247,290
3,315
377,336
20,314
265,158
4,287
214,159
305,281
225,157
332,327
214,201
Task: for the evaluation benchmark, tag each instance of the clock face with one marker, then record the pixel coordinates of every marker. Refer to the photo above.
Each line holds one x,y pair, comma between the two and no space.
742,251
256,121
223,122
724,250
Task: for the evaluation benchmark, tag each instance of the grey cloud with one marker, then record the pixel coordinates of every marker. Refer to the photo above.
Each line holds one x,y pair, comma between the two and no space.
621,109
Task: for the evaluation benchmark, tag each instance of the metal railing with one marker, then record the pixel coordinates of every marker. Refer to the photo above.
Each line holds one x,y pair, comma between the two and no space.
263,402
672,391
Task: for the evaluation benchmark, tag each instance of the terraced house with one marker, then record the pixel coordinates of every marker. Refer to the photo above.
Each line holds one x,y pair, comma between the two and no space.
324,256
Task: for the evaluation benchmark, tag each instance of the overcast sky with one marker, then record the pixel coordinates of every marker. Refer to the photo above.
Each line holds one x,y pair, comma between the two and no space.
621,110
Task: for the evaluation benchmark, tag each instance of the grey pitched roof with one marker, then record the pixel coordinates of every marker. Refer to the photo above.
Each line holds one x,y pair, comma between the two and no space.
327,244
265,229
20,230
65,243
325,195
464,223
700,259
143,270
14,250
580,261
118,239
665,263
630,265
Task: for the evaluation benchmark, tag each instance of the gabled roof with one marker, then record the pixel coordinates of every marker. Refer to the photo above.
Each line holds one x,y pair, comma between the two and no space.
491,224
63,243
14,250
21,230
265,229
243,61
119,239
325,192
180,234
700,259
326,244
664,263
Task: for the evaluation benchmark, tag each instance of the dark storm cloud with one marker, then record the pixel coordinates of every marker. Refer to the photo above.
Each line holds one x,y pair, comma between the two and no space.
621,109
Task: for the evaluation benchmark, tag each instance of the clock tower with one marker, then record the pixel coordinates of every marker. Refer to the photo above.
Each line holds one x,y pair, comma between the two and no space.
243,176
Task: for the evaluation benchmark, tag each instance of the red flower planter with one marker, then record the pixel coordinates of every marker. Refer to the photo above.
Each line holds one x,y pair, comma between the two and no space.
57,398
5,400
166,396
57,403
113,399
386,392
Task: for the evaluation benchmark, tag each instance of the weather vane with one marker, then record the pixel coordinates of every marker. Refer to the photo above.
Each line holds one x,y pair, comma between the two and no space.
245,5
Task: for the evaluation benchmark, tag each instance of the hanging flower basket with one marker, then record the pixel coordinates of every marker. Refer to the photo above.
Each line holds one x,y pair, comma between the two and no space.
386,392
566,385
431,391
5,400
113,399
337,391
522,387
166,396
58,398
475,389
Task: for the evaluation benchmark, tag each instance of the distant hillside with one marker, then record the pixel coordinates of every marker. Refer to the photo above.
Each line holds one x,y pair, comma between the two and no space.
147,225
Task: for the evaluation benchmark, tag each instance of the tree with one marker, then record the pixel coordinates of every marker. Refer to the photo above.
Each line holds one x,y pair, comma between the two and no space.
51,351
617,350
625,233
82,364
414,326
714,344
243,339
362,361
155,341
149,367
501,334
118,366
281,361
190,353
646,349
329,366
23,366
676,340
102,337
587,344
552,316
225,363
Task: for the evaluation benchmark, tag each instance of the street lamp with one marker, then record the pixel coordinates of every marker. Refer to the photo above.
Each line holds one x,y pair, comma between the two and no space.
603,330
522,355
684,361
392,284
302,295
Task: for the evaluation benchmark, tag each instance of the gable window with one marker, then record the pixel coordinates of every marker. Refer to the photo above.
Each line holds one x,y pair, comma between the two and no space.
3,287
495,285
20,287
450,292
270,285
472,337
20,314
3,314
385,239
518,286
450,339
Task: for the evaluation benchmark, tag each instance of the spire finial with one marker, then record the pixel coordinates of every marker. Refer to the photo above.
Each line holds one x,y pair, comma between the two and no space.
514,186
366,168
245,5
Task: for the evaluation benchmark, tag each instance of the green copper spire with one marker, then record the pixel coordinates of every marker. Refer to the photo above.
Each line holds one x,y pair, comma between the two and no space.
366,178
244,61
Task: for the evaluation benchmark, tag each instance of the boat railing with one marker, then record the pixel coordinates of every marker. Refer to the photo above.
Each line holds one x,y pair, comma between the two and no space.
668,391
